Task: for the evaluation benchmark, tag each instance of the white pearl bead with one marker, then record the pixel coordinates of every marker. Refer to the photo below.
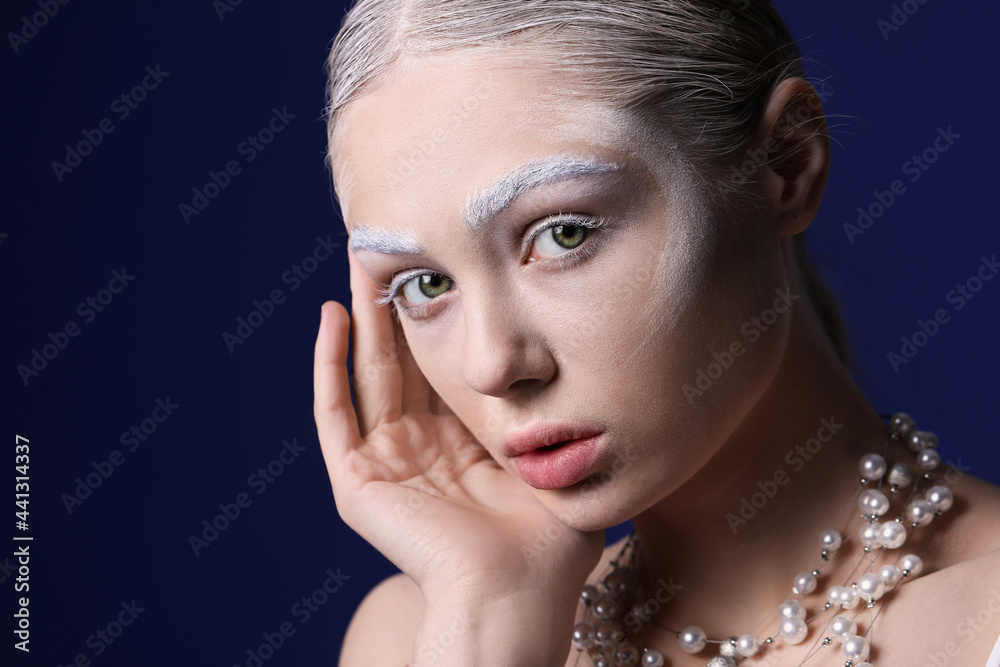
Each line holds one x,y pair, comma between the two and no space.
721,661
872,466
892,535
920,512
900,475
871,586
692,639
901,424
849,598
791,609
842,627
747,645
874,502
830,540
940,497
863,664
911,564
833,594
855,648
890,574
921,440
805,583
869,533
928,459
793,630
652,658
728,647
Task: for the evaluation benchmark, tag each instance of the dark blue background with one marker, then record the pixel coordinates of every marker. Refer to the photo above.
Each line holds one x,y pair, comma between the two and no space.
162,336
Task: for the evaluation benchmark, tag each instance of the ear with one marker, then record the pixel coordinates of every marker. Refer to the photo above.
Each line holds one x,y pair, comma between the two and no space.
793,136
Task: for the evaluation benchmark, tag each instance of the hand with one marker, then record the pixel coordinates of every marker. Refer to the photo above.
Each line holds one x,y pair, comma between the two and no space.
413,481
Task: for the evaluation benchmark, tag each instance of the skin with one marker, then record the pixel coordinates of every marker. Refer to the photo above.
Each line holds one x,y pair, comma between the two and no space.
417,465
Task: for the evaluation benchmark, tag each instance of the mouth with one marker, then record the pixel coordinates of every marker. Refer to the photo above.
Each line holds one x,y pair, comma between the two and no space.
555,455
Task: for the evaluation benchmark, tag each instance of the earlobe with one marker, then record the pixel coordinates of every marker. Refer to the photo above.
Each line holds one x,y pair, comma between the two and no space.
794,135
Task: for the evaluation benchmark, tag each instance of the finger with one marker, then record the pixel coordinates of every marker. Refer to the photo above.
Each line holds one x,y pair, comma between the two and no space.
336,421
378,379
416,388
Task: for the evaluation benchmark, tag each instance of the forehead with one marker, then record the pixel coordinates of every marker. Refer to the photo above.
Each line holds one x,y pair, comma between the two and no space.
442,126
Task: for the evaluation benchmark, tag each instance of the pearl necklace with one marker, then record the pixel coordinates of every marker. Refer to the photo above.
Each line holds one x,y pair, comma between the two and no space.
602,638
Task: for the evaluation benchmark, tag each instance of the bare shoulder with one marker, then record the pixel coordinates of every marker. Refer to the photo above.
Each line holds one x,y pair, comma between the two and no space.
384,626
951,614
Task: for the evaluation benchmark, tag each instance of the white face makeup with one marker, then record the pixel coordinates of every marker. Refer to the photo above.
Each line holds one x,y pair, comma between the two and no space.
552,262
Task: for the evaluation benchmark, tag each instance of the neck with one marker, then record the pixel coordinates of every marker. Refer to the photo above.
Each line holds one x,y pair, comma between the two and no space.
735,535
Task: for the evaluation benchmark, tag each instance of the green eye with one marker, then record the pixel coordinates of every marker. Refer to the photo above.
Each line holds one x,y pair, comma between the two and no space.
555,240
425,287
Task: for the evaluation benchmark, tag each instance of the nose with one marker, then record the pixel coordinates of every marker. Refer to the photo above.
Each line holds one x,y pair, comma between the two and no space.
505,349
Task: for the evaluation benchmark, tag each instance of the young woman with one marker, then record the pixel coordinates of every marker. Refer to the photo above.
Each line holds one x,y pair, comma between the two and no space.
580,296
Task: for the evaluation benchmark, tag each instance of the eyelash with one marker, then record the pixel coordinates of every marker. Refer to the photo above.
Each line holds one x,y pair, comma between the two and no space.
562,261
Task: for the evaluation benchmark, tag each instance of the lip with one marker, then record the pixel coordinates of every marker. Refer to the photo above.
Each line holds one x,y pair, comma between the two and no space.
580,448
542,434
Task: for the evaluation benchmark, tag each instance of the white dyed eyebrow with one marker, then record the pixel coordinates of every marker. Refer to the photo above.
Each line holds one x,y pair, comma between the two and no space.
484,206
386,241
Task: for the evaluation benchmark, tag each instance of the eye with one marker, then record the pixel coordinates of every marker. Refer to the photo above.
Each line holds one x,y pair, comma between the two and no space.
424,287
557,240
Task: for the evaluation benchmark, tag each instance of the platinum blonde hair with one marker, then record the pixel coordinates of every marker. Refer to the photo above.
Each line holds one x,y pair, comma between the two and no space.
701,71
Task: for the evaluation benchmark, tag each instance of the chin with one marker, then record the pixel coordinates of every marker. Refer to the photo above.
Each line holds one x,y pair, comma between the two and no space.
597,503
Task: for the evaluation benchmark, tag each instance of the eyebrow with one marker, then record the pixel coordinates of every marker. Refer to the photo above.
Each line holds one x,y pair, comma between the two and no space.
484,206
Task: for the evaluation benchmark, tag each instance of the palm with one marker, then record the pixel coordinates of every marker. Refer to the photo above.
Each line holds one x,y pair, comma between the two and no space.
412,480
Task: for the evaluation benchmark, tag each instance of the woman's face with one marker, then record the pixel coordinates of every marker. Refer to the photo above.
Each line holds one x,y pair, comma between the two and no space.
570,273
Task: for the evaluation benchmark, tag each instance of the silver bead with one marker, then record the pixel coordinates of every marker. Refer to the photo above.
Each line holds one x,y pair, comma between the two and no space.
747,645
855,648
892,535
928,459
900,475
607,634
652,658
872,466
805,583
911,564
873,502
830,540
920,512
601,661
721,661
589,594
728,647
901,425
940,497
920,440
793,630
692,639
